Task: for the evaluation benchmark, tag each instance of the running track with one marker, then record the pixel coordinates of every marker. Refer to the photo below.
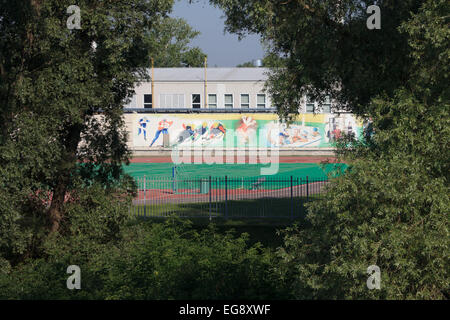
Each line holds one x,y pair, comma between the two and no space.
160,197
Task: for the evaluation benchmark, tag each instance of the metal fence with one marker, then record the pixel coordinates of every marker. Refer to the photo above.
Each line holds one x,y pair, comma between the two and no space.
264,197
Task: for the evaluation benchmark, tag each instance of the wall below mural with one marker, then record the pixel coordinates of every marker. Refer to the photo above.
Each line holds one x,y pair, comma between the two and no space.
241,130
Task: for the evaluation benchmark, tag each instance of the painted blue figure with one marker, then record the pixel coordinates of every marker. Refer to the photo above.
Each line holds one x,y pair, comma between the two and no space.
284,137
315,132
163,127
143,127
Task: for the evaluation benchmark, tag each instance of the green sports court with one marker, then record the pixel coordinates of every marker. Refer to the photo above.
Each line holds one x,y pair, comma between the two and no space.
194,171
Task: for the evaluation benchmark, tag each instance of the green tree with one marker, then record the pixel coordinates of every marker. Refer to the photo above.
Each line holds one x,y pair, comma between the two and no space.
169,44
391,208
61,101
169,260
327,48
194,58
248,64
269,61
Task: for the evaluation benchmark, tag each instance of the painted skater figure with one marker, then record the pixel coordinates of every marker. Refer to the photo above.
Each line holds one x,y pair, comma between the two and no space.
200,132
163,127
247,128
216,130
143,127
187,133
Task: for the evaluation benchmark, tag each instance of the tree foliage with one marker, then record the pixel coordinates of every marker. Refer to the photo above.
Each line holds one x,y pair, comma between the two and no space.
248,64
169,43
327,48
62,101
152,261
391,208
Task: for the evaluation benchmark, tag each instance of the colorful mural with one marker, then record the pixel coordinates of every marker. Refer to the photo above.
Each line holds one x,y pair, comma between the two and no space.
264,130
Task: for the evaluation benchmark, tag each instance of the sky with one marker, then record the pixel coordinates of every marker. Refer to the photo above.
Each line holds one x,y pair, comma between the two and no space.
223,50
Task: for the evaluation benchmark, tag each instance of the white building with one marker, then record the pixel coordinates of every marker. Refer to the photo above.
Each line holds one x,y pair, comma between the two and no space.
181,99
226,88
186,88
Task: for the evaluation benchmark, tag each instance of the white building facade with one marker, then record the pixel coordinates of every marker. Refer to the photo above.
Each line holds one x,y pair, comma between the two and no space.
186,88
198,107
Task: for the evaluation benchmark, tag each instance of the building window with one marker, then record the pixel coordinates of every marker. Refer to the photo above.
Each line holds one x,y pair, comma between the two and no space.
148,101
261,101
196,101
245,101
212,101
327,105
228,101
310,105
171,101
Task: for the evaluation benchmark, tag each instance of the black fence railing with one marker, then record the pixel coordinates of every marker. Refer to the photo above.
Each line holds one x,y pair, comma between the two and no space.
226,197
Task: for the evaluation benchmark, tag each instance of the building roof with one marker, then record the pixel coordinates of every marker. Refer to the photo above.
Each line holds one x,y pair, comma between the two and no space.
213,74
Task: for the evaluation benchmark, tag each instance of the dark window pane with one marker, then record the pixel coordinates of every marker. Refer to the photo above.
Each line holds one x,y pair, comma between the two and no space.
147,98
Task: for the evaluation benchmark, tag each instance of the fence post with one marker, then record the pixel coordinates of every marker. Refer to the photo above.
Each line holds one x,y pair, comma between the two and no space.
298,197
210,198
226,197
301,196
292,198
174,179
145,199
307,189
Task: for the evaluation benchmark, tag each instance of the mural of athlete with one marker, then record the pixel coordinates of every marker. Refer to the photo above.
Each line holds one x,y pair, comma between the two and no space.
284,137
187,133
216,130
143,127
246,128
298,136
163,127
201,131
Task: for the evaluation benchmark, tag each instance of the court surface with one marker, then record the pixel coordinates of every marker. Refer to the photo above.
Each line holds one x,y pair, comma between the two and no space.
287,166
160,194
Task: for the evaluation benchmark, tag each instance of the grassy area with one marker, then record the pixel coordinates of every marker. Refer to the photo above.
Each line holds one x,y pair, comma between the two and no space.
260,218
263,231
277,208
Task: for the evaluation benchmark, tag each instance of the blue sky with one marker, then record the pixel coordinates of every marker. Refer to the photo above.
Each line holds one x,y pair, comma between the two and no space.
223,50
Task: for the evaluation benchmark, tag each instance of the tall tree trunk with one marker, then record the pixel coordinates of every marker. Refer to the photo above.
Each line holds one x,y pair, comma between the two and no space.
55,212
66,168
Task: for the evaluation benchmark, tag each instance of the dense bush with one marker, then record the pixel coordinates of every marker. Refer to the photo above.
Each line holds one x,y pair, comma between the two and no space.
151,261
391,208
172,261
385,214
91,224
